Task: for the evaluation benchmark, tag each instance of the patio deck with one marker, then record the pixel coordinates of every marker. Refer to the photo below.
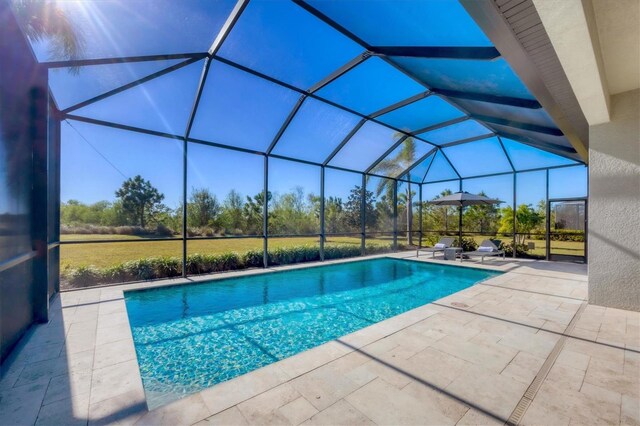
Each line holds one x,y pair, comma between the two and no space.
521,347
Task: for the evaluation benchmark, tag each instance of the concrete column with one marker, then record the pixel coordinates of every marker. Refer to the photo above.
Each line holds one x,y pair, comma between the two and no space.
614,206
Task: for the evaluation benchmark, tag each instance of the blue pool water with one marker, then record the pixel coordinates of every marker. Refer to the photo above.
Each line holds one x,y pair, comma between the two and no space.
191,337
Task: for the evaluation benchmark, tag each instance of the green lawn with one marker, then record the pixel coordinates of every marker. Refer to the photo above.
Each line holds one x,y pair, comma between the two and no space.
109,254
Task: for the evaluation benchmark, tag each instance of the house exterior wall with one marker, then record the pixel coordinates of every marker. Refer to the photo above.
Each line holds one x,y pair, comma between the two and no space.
614,206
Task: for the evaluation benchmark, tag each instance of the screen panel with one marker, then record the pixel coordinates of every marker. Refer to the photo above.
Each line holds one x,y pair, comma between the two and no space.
402,157
419,171
486,77
523,115
568,182
315,131
527,157
482,222
221,201
366,146
144,27
118,184
531,212
456,132
423,113
534,137
162,104
294,207
379,208
440,170
343,198
240,109
370,86
70,86
477,158
282,40
408,213
406,23
438,221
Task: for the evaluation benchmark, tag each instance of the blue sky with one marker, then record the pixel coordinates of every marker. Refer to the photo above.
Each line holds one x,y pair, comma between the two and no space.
243,110
96,159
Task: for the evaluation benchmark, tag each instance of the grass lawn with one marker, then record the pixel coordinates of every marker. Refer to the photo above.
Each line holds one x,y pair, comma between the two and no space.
109,254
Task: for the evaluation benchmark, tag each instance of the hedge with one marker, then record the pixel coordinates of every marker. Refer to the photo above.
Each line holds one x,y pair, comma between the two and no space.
167,267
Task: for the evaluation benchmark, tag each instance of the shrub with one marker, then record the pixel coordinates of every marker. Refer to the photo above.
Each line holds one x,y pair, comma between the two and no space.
430,240
164,231
83,276
198,263
521,249
167,267
567,235
206,263
141,269
253,259
115,274
468,243
295,254
341,251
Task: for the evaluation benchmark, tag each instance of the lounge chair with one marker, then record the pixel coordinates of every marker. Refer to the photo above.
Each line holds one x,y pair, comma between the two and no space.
487,248
439,247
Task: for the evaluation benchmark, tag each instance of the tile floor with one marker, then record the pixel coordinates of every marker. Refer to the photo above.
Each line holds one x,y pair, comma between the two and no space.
469,358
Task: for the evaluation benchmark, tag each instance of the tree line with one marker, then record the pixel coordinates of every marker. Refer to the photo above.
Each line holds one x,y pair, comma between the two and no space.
139,204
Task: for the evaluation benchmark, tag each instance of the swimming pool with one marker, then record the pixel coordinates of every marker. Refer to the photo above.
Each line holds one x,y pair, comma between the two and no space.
191,337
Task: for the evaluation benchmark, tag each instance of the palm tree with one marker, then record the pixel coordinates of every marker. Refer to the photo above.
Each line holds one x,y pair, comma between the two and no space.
394,166
44,20
446,209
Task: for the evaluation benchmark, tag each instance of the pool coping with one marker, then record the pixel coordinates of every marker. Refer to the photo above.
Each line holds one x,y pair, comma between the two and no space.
230,275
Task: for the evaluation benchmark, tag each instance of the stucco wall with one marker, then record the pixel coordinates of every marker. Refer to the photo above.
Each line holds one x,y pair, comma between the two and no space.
614,206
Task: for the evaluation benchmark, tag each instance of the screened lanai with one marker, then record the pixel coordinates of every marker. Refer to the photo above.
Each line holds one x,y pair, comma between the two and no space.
236,211
356,116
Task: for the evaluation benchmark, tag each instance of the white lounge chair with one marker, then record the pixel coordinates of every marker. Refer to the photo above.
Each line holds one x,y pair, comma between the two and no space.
487,248
439,247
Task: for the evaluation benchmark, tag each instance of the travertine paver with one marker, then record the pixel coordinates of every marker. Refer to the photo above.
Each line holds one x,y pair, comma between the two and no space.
466,363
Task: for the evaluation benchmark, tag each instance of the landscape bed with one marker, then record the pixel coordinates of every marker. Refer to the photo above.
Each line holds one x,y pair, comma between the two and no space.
191,337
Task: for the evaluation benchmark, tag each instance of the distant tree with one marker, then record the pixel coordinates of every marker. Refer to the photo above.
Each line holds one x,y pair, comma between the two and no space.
333,213
352,208
481,218
384,212
437,218
527,218
290,213
140,200
203,208
252,209
447,211
334,217
232,214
